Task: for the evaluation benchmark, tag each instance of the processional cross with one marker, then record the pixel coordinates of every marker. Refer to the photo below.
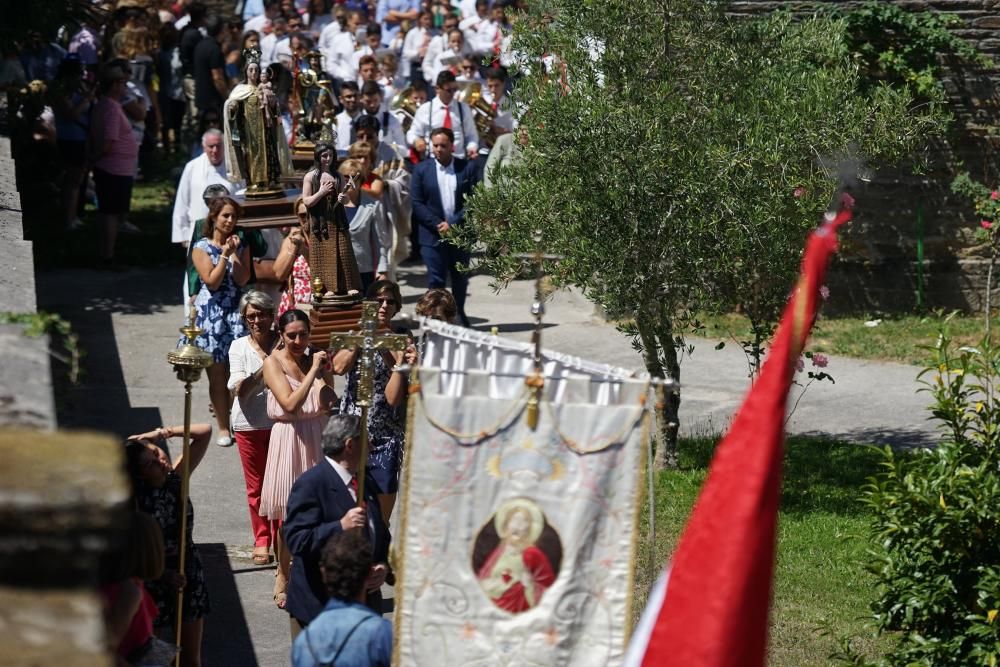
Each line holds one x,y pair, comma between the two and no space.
369,343
536,381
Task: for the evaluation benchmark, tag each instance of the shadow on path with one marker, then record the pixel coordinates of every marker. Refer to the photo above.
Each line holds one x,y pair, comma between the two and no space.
88,300
227,634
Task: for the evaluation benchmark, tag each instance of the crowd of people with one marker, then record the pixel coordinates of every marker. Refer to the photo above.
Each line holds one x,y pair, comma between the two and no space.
418,110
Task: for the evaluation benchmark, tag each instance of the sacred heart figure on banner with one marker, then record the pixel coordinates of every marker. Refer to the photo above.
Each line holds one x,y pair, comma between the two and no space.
516,556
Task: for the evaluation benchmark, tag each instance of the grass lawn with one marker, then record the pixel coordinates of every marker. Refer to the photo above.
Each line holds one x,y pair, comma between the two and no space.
821,590
895,338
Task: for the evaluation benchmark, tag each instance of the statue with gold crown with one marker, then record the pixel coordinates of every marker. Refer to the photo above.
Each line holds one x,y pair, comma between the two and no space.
256,148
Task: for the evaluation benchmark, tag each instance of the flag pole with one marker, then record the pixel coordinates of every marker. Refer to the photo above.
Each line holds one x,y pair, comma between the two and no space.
188,362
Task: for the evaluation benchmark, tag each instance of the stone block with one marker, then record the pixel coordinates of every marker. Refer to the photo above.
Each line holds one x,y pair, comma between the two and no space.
62,501
53,627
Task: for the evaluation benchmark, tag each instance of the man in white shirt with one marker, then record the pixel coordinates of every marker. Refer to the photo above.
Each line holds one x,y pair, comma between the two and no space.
444,111
261,23
339,55
350,101
207,169
438,189
372,104
480,31
269,43
438,44
373,40
326,39
416,42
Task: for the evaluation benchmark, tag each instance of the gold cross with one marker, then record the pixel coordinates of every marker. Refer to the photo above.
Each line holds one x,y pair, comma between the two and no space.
369,343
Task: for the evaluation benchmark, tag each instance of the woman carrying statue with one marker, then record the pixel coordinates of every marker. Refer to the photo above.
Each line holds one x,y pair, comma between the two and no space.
256,149
331,256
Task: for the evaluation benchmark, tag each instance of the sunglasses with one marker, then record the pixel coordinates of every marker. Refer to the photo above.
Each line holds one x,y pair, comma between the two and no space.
259,316
385,301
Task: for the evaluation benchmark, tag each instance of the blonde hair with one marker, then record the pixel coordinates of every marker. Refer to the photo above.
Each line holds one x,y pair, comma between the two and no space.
350,167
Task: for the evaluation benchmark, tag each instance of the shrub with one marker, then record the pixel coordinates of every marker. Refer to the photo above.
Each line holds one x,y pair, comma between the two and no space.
937,521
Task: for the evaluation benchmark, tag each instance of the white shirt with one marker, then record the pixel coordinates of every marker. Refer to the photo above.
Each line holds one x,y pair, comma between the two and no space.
438,44
250,412
356,57
338,59
345,475
414,41
480,33
344,121
431,115
447,182
283,52
258,23
325,43
504,112
189,207
268,48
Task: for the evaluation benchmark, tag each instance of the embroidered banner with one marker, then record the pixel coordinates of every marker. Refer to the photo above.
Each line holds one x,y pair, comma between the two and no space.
517,545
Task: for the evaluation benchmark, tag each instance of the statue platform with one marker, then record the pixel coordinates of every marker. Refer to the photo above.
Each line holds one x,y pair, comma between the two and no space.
326,318
272,212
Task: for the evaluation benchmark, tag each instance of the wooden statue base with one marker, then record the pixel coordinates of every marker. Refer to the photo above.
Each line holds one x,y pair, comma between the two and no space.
326,318
272,212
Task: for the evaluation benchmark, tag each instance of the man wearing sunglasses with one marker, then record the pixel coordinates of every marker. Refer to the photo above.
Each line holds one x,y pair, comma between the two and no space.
446,112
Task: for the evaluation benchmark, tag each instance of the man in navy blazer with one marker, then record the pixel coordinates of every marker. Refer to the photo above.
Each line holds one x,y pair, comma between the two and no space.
438,190
323,502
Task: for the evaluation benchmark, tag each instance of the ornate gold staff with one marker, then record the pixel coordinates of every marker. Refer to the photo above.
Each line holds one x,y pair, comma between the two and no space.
536,381
188,362
370,343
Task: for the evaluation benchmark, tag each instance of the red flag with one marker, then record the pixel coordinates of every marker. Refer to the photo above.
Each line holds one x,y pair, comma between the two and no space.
711,606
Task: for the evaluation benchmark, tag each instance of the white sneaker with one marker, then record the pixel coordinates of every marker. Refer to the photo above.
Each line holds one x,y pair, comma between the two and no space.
128,228
224,441
75,225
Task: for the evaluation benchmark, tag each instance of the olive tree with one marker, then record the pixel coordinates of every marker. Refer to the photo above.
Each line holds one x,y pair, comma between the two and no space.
677,158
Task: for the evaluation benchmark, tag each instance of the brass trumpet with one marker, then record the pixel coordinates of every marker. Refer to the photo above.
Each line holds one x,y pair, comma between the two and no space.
404,104
472,94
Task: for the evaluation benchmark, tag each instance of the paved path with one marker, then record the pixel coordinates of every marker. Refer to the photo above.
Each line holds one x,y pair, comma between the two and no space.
129,321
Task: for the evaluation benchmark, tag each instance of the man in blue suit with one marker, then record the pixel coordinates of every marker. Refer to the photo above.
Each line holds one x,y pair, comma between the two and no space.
323,501
438,190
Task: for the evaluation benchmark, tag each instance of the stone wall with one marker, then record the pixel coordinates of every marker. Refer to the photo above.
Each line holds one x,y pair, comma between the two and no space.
881,244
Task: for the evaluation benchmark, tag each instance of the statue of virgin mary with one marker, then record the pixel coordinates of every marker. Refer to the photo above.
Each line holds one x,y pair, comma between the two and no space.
256,149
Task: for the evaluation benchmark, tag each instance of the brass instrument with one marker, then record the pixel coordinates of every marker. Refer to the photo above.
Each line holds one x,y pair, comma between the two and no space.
472,94
403,103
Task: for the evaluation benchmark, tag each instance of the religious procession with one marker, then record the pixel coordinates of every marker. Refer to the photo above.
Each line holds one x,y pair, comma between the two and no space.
418,400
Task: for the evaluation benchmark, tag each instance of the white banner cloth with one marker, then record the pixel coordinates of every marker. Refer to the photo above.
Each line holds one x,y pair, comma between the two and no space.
517,545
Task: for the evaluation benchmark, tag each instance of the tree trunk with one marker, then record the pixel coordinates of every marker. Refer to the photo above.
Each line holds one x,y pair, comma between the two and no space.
665,411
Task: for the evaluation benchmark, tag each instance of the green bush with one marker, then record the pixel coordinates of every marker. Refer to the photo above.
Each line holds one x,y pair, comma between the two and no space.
937,521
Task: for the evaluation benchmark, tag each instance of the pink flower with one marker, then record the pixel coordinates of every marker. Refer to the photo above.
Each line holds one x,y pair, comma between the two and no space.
824,292
800,364
985,224
995,195
798,192
820,360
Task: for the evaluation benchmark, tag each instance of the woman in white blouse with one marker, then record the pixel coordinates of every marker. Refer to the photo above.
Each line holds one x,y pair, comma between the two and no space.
250,422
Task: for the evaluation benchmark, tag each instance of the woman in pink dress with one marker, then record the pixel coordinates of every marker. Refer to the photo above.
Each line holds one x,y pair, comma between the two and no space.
301,396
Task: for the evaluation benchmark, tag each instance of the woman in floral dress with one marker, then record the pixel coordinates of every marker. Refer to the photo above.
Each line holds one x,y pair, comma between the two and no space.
223,263
386,428
295,274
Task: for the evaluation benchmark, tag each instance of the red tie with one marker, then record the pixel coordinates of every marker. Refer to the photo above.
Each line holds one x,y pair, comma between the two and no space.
354,485
447,118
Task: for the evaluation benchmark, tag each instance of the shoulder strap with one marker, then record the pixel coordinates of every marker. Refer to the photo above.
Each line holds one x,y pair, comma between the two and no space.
348,638
312,651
